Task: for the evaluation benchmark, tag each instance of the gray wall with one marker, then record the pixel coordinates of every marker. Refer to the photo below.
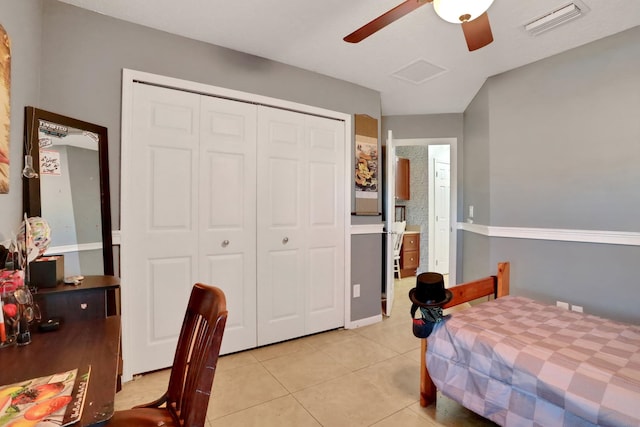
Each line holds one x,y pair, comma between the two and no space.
366,271
22,21
423,126
556,144
69,61
84,54
476,188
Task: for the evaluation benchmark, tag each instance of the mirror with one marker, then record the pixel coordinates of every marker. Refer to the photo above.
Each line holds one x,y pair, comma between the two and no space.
68,186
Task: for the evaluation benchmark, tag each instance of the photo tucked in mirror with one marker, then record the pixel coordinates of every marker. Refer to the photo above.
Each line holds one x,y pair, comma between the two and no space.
69,160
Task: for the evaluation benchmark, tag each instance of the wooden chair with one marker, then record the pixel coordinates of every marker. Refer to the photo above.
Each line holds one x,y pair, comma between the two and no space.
185,402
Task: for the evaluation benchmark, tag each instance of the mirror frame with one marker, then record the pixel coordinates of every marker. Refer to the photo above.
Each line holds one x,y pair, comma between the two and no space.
31,187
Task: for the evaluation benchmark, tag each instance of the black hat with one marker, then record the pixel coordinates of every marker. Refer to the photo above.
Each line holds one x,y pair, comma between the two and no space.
430,291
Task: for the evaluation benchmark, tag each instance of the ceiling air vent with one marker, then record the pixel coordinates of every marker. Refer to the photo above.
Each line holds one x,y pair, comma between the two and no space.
553,19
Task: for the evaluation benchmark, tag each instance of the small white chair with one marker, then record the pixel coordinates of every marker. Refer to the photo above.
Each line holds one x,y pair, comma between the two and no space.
398,234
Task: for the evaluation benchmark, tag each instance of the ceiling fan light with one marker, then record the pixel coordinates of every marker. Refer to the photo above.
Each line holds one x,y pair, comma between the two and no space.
455,10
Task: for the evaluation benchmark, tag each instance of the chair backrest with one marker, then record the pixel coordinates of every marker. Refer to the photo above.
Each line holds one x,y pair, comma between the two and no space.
398,233
196,356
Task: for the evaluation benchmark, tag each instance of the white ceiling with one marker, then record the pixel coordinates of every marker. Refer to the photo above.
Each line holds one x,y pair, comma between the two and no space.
308,34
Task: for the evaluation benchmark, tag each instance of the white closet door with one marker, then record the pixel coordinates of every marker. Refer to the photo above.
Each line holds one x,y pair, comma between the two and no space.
159,195
324,223
250,199
227,239
301,255
282,210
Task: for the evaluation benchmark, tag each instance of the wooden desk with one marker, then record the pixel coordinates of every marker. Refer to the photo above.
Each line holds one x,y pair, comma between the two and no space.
95,342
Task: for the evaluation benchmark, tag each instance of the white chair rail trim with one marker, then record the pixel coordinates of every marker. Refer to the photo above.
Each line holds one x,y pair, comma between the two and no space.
367,228
628,238
115,237
53,250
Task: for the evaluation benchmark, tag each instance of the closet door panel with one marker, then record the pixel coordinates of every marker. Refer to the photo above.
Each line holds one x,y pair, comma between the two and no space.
325,224
159,193
283,207
227,197
281,233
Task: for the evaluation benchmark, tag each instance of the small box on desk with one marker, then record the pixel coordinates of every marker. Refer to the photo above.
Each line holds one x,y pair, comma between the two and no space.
47,272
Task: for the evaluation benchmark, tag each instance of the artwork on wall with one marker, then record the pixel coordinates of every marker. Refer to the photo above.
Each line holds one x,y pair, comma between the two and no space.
366,165
5,108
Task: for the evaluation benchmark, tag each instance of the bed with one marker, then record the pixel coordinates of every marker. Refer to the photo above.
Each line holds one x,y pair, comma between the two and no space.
519,362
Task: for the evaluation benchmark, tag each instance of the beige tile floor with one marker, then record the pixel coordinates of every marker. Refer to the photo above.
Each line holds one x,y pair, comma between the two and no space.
344,378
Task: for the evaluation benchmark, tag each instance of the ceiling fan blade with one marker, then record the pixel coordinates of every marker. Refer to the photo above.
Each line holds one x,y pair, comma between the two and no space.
477,32
383,20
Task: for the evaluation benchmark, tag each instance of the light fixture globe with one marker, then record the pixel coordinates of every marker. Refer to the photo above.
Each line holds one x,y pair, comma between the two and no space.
457,11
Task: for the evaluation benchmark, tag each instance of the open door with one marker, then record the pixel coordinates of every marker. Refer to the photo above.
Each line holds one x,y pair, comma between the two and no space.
390,209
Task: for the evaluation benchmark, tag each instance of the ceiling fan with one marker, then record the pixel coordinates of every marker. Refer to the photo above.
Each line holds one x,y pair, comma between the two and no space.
471,14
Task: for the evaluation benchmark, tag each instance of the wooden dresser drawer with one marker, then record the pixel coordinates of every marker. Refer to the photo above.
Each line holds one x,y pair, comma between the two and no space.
411,242
410,259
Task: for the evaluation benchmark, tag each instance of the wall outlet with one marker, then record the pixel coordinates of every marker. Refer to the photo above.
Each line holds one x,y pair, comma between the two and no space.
562,304
471,211
577,308
356,291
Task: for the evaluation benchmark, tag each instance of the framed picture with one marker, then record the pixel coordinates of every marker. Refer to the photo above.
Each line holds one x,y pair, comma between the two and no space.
366,165
5,108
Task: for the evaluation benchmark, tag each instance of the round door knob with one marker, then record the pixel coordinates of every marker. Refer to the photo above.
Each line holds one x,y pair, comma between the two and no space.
225,243
285,240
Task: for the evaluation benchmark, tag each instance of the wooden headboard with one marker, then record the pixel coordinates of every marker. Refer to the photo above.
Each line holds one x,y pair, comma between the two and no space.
496,286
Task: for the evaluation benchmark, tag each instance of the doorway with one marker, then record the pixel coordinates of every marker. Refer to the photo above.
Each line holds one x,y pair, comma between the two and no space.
434,215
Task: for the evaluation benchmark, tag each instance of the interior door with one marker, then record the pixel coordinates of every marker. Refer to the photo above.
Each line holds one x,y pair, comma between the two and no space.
325,167
227,213
390,208
158,258
442,221
282,206
301,253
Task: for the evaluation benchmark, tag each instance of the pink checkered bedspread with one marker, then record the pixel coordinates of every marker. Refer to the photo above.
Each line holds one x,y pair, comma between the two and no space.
522,363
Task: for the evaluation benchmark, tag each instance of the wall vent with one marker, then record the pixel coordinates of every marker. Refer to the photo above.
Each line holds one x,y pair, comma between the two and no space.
554,18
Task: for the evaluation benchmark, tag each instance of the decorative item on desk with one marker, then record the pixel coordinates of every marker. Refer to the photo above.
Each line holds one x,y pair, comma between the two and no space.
73,280
35,235
18,308
11,279
9,306
9,319
47,271
33,240
29,311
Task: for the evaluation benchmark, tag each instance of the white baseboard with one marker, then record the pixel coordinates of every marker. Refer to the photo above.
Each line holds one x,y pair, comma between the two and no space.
364,322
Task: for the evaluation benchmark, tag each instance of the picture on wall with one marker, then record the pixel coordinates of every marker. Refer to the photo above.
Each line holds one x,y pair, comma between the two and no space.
5,108
366,165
